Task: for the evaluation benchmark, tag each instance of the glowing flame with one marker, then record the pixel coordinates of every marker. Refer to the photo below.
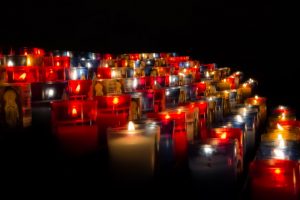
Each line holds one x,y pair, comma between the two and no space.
279,154
22,76
130,126
115,100
206,74
279,127
10,63
113,74
277,171
223,136
239,118
279,137
167,116
256,96
74,112
50,92
57,64
77,88
184,70
245,85
283,116
28,61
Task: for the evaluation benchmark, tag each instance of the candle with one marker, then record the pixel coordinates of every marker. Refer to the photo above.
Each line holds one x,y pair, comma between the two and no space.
15,105
113,111
80,89
15,60
54,73
215,161
58,61
274,179
22,74
132,152
78,73
172,96
261,102
135,106
74,124
46,92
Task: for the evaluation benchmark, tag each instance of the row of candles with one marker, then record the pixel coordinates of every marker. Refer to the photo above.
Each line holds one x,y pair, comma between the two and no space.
275,172
148,128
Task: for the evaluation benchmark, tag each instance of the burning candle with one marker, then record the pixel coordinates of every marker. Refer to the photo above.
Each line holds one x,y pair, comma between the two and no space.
74,124
132,151
80,88
78,73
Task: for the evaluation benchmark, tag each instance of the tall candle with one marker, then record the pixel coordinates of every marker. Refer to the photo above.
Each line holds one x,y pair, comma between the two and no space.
132,152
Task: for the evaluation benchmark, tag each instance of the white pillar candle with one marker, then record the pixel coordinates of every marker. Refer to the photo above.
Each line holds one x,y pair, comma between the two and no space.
132,151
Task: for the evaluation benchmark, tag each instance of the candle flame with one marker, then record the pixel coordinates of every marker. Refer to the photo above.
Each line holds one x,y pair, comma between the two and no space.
28,62
131,126
113,74
167,116
77,88
277,171
256,96
245,85
10,63
115,100
283,116
74,112
279,137
22,76
57,64
223,136
279,127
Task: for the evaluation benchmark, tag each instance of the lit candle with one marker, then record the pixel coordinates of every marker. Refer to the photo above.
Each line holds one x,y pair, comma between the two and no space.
215,161
80,88
274,179
132,151
74,124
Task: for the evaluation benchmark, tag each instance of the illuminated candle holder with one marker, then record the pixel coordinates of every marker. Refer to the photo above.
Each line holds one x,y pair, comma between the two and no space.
132,152
81,89
108,73
173,80
223,85
74,124
261,102
215,161
274,179
58,61
280,150
54,73
113,111
15,60
78,73
200,89
153,100
15,105
22,74
172,96
290,135
234,134
48,91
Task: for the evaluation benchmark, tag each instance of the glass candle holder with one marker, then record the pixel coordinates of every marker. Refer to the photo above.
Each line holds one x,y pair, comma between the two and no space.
80,89
15,105
74,124
48,91
274,179
215,161
2,74
53,74
78,73
172,96
58,61
113,111
15,60
135,106
22,74
132,151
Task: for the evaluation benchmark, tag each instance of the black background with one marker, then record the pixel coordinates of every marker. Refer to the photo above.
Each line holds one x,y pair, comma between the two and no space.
252,36
255,37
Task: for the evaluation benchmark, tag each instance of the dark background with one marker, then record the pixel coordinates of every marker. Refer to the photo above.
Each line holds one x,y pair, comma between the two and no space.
251,36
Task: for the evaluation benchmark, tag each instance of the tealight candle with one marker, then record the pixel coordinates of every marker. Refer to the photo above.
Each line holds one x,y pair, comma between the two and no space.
80,89
132,151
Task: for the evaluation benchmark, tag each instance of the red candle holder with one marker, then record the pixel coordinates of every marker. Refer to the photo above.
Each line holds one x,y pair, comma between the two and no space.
256,100
74,123
108,73
230,133
22,74
274,179
15,105
32,51
15,60
200,89
54,73
57,61
80,89
113,111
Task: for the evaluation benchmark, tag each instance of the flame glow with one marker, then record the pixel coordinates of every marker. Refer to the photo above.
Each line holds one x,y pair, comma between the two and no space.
22,76
279,127
115,100
223,136
130,126
74,112
77,88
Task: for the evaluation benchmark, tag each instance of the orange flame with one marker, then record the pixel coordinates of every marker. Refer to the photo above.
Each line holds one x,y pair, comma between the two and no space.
223,136
74,112
22,76
115,100
77,88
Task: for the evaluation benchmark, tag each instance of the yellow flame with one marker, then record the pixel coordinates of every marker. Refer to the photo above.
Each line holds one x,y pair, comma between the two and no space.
77,88
28,62
22,76
283,116
256,96
130,126
279,137
279,127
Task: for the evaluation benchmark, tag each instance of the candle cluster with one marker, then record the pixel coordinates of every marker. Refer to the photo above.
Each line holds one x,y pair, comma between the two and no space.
153,112
274,174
